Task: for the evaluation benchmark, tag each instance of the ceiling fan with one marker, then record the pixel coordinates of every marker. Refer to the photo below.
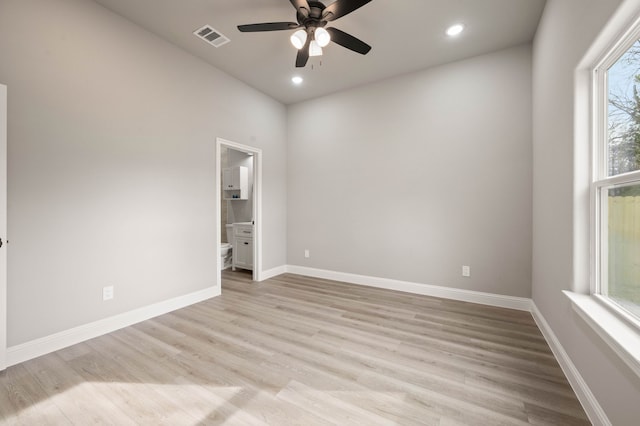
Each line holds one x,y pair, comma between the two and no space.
312,17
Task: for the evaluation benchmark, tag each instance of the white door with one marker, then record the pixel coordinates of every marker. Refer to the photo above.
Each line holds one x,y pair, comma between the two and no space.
3,227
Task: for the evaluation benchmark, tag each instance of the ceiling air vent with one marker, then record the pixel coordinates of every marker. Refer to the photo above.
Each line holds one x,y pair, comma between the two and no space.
211,36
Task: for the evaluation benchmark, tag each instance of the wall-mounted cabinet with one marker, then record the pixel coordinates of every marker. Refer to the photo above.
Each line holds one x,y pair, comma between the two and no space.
235,183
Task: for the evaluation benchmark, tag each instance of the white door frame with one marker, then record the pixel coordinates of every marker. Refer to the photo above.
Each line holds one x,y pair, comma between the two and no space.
257,205
3,227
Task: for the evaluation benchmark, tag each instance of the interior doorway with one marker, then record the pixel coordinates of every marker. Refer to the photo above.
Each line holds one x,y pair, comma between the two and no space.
243,208
3,227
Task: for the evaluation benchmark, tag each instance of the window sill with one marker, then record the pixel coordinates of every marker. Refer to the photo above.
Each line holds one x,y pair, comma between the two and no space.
622,337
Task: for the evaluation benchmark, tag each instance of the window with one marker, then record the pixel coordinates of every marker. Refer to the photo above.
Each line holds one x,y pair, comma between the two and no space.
616,178
607,94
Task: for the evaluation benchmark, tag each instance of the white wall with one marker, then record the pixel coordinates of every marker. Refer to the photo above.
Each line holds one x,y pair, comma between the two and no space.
111,153
415,176
567,29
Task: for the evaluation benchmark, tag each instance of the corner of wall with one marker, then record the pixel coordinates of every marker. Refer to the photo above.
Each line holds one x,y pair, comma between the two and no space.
588,400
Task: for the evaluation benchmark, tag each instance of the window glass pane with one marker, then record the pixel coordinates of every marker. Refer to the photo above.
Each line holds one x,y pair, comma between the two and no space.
624,247
623,123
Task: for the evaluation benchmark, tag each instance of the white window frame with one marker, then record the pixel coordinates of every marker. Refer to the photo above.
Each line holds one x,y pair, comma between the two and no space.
619,330
600,181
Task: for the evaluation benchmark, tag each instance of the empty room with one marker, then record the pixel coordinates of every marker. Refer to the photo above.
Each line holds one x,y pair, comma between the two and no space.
340,212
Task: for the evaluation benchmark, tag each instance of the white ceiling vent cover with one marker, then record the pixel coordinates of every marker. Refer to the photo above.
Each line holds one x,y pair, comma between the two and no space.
211,36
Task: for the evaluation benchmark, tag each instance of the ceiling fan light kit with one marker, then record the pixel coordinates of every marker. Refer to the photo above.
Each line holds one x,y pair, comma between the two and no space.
298,39
315,49
312,36
322,37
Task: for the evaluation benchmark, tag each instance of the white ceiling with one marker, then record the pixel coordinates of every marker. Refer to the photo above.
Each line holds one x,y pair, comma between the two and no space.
406,36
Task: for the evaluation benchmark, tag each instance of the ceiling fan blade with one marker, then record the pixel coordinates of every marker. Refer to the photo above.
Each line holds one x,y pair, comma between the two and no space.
303,54
340,8
302,6
268,26
348,41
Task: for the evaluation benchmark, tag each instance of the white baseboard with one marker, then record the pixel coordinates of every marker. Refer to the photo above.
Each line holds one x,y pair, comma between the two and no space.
589,402
265,275
44,345
511,302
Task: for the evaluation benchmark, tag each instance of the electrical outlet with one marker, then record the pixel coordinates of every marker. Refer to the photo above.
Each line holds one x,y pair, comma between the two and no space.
107,293
306,253
466,271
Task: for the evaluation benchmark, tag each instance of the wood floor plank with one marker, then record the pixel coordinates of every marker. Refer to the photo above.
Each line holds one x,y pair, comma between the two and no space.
78,399
297,350
28,400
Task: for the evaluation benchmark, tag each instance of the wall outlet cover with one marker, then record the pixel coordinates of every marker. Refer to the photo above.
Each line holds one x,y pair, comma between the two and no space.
466,271
107,293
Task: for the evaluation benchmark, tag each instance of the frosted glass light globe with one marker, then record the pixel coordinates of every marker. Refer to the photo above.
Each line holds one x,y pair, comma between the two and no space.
298,39
322,36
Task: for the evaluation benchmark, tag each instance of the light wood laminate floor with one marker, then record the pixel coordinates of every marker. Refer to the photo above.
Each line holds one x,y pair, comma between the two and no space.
298,350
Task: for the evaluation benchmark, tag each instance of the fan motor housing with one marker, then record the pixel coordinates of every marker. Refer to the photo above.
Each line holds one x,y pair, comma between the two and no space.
314,19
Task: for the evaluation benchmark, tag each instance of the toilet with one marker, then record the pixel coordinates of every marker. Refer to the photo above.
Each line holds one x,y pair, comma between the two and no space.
226,249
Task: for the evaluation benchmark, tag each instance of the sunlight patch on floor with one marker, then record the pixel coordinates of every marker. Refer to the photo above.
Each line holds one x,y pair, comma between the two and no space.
132,403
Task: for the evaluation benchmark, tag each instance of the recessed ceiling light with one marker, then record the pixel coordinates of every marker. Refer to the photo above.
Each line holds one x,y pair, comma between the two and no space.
296,80
454,30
